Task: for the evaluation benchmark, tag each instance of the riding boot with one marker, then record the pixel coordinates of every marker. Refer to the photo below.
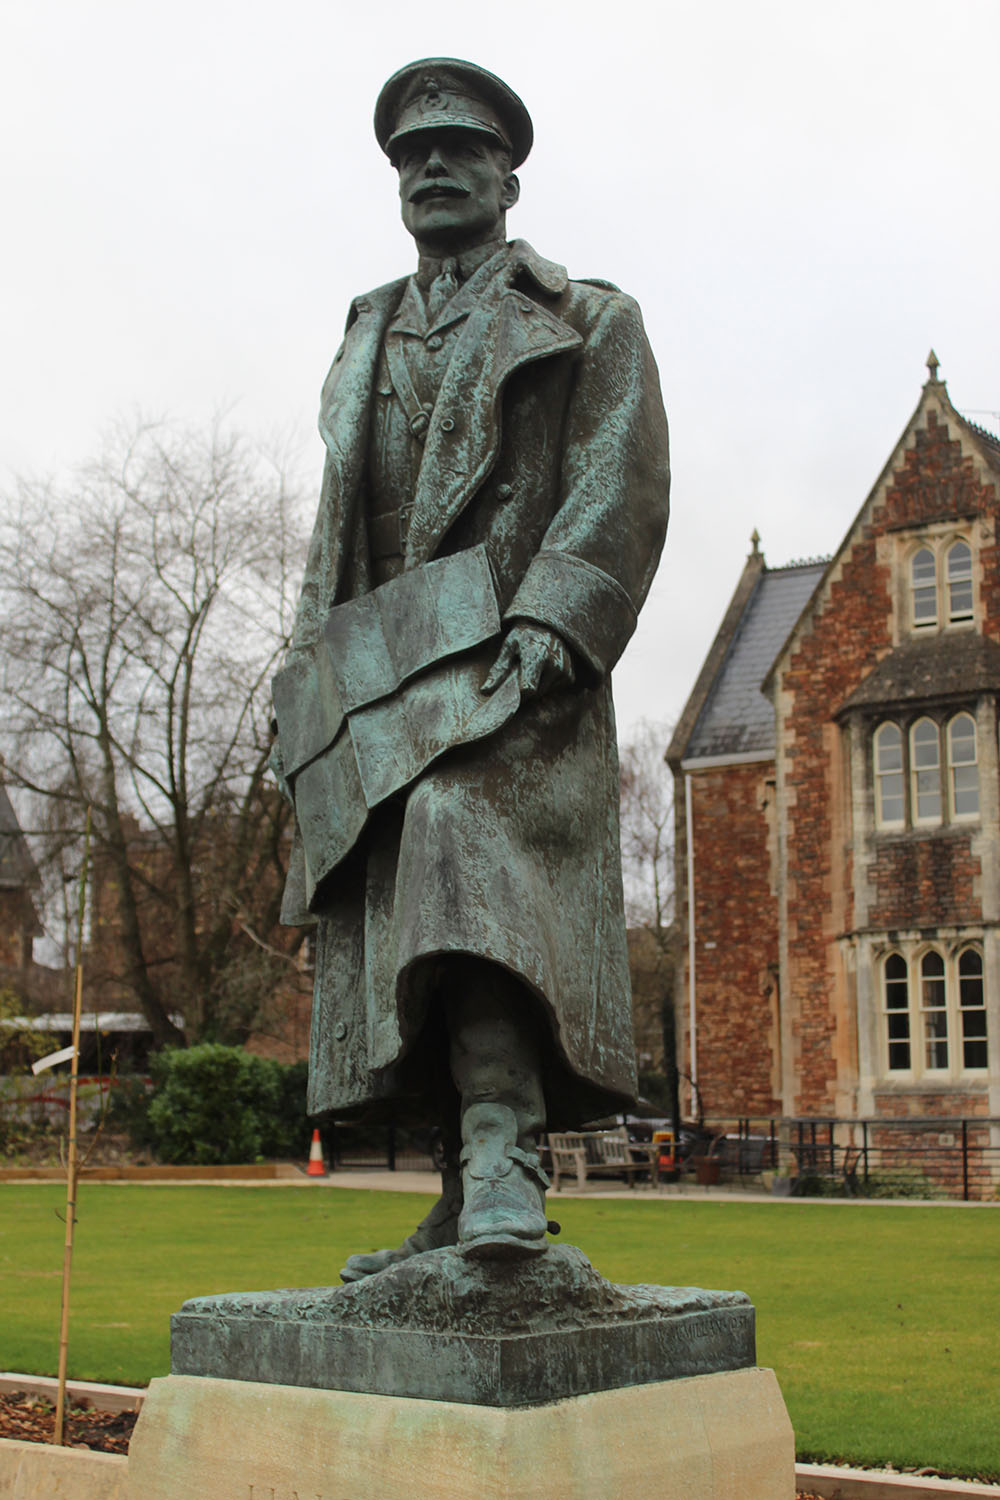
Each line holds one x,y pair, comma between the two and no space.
496,1067
503,1215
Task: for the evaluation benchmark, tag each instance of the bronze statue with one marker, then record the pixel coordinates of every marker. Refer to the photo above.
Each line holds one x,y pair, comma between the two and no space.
493,508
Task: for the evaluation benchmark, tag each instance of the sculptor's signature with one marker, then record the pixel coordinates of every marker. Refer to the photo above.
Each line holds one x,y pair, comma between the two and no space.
280,1492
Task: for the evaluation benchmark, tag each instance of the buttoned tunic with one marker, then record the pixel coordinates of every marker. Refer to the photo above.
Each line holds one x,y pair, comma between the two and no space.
416,353
547,444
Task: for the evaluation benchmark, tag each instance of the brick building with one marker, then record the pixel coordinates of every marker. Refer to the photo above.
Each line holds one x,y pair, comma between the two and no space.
263,977
19,925
838,808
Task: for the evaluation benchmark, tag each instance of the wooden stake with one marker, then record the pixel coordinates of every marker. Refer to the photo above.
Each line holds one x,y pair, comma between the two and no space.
71,1158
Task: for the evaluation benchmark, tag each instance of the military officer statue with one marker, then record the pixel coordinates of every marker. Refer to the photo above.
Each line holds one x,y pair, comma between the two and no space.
493,508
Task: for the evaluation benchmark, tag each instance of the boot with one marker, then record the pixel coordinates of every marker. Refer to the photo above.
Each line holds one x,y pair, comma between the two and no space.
503,1216
438,1229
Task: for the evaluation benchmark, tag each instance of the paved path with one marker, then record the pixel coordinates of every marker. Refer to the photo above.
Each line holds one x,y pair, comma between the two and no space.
426,1182
288,1174
382,1181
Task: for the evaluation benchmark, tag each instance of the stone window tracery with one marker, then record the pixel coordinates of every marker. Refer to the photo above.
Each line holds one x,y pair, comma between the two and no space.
910,788
959,580
934,1012
925,771
890,802
923,575
972,1007
940,584
934,1008
963,770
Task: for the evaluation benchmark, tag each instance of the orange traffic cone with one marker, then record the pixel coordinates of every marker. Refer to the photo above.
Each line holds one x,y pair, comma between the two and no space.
315,1167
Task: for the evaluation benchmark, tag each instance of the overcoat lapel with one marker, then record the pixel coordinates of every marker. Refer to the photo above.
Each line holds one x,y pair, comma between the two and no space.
505,330
345,413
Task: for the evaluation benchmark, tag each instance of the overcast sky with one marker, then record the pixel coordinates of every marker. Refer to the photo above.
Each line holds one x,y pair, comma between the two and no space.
802,197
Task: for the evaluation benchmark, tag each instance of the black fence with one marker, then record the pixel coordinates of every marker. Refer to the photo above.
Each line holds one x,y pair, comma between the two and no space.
885,1157
392,1148
920,1157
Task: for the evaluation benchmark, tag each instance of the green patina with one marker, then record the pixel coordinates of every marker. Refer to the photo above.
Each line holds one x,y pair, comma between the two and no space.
493,507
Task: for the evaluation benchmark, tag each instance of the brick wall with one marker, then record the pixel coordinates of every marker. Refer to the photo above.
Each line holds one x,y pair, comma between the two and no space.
916,880
17,924
954,1103
934,482
923,881
851,629
951,1164
736,941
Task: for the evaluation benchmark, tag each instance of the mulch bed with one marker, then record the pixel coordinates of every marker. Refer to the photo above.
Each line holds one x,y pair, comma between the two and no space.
31,1418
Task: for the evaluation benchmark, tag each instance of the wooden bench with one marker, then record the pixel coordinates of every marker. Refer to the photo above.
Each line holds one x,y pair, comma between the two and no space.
590,1154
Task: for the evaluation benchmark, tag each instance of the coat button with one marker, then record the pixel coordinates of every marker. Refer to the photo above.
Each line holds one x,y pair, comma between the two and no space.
504,491
435,341
448,424
340,1030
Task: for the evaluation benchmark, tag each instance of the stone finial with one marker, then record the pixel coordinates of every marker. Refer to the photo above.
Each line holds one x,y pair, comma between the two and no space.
755,543
932,365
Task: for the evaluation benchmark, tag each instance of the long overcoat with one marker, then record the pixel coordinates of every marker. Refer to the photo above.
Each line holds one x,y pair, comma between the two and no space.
548,444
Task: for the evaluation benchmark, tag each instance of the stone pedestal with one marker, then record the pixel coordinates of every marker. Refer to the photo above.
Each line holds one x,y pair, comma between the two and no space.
447,1379
442,1328
711,1437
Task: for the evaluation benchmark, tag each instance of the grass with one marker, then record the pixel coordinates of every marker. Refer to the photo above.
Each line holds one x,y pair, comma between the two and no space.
880,1321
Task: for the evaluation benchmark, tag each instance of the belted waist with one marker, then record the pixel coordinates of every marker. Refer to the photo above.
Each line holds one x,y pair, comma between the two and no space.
387,532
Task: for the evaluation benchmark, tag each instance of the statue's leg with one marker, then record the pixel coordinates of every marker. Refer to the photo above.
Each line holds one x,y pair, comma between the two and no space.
496,1066
438,1229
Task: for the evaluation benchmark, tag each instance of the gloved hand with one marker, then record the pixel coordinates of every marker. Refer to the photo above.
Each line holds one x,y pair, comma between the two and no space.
540,657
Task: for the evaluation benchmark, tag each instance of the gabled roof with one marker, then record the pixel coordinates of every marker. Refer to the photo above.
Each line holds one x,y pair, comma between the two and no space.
17,868
727,715
934,399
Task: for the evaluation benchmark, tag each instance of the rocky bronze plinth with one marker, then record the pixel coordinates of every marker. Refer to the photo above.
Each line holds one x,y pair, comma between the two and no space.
443,1328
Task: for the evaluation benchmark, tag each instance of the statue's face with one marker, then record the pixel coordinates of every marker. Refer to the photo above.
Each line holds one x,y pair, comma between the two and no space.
455,188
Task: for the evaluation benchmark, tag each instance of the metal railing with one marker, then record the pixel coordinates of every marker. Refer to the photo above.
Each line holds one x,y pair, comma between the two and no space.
392,1148
927,1156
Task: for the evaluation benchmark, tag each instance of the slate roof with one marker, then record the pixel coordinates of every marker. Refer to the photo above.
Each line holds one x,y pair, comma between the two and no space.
938,667
17,868
988,441
736,718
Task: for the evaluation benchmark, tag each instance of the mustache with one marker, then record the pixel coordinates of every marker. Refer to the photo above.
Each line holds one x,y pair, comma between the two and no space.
438,187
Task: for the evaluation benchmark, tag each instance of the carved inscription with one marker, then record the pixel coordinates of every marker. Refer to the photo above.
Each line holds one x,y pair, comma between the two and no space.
282,1492
710,1324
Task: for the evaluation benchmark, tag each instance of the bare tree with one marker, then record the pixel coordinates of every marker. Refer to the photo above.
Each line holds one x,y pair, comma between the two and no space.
648,876
142,612
647,828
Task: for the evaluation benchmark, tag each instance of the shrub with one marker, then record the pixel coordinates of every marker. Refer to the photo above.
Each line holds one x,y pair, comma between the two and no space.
901,1182
212,1104
290,1127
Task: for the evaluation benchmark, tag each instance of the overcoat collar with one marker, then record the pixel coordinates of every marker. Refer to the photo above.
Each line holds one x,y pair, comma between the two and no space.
506,329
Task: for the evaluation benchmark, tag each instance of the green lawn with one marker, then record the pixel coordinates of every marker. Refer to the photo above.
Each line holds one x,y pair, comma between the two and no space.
880,1321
